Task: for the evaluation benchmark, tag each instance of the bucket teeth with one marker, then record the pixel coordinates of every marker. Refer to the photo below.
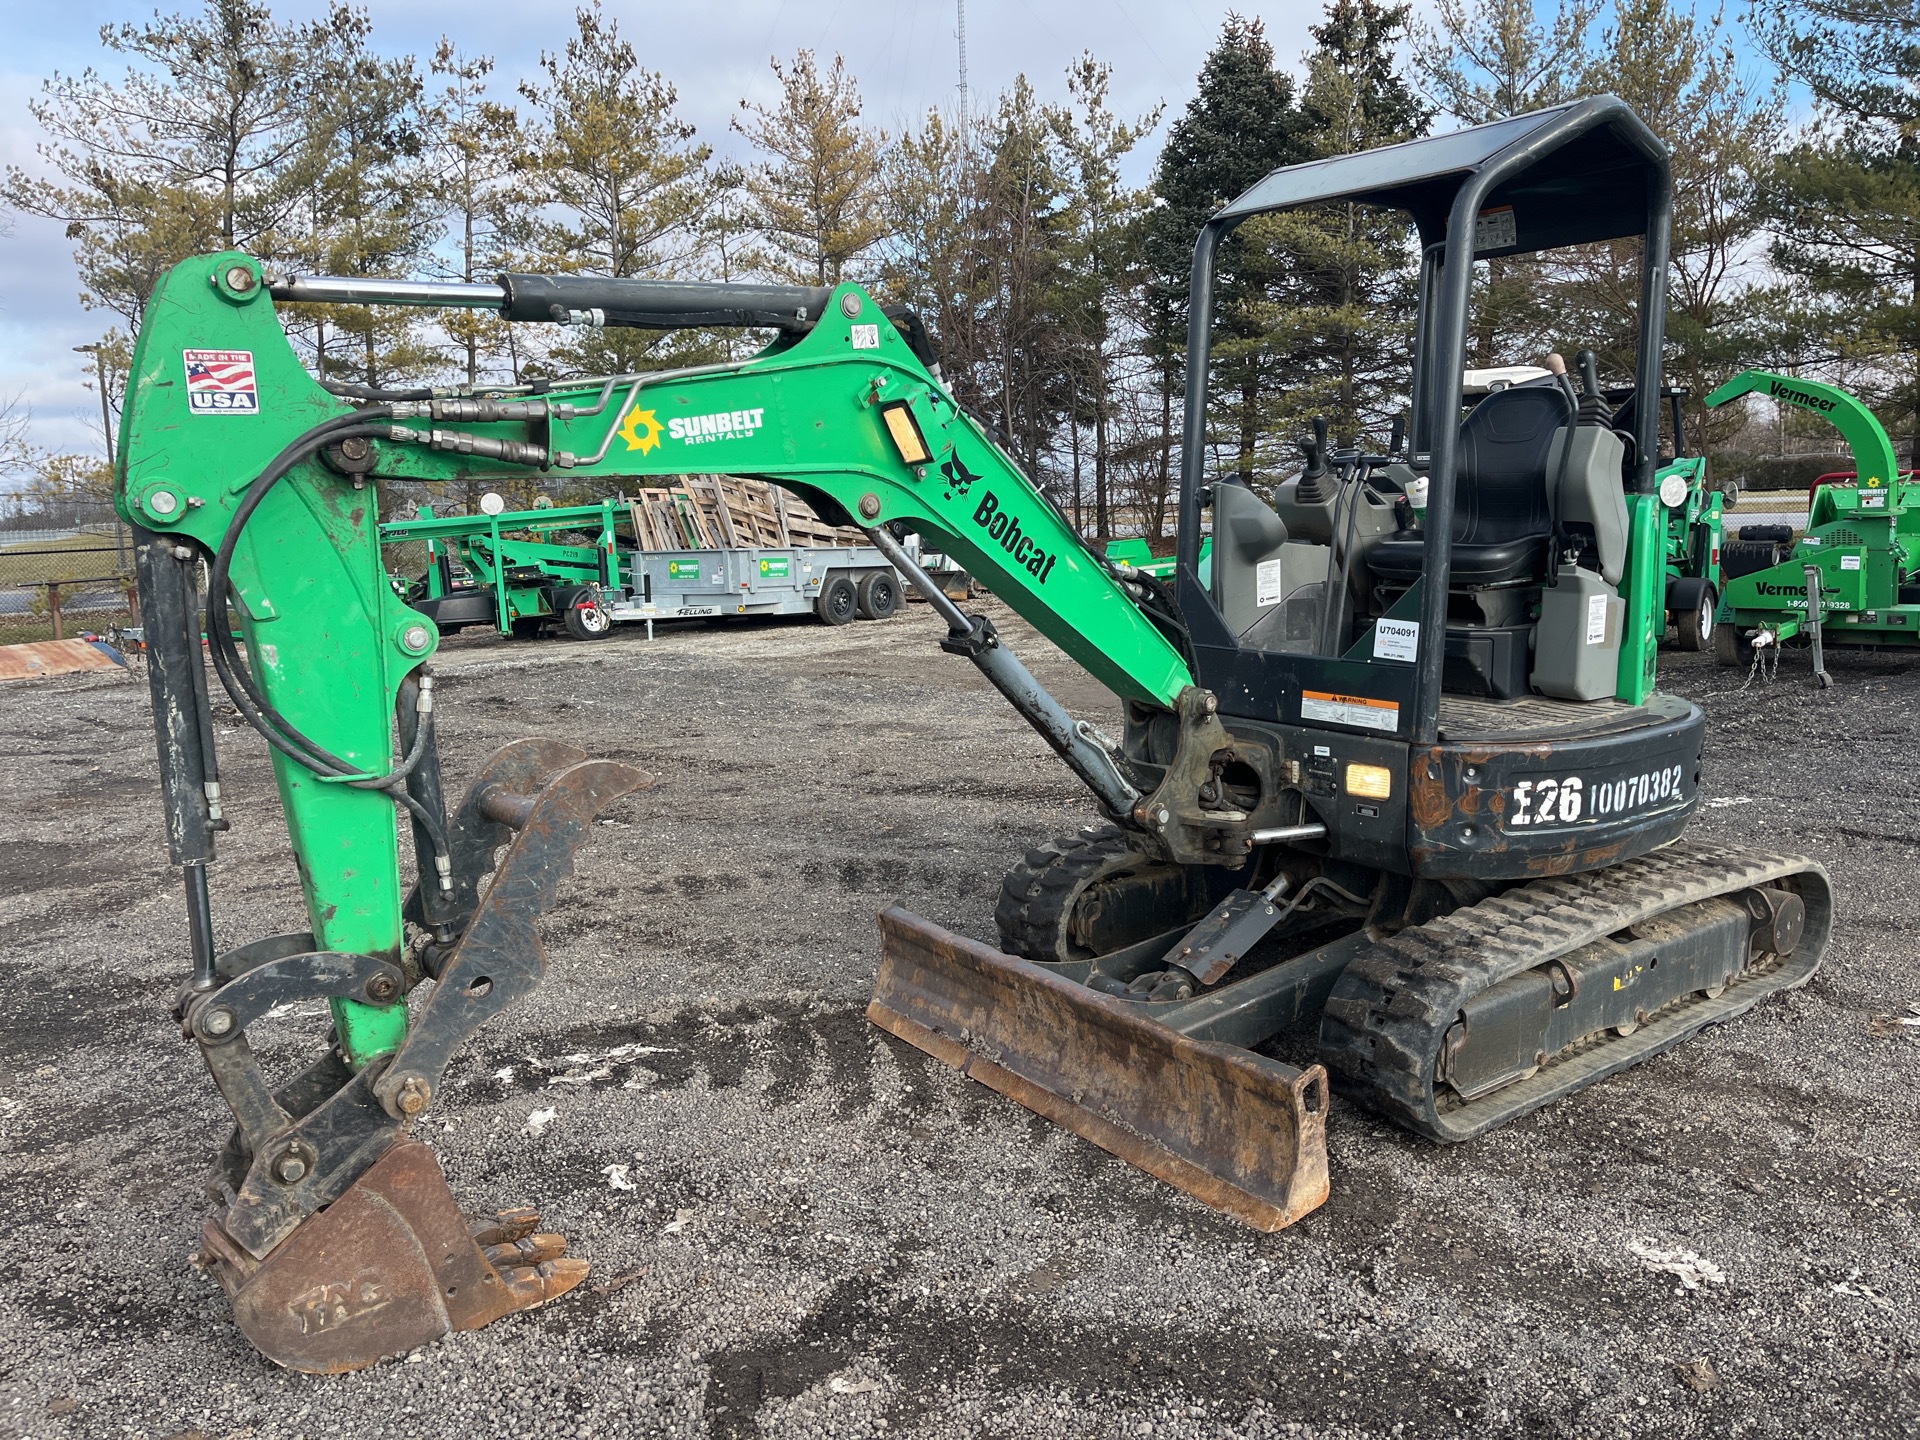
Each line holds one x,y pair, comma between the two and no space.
505,1227
530,1250
389,1266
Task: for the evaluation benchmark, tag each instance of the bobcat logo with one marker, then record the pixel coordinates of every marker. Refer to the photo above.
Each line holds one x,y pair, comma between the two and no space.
958,476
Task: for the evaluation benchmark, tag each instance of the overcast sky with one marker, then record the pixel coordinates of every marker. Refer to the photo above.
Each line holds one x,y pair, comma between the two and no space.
902,51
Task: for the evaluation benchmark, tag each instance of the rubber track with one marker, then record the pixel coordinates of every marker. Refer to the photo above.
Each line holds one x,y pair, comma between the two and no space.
1038,893
1391,1009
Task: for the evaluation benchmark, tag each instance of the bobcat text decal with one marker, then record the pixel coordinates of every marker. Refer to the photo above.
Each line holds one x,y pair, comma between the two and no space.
1019,545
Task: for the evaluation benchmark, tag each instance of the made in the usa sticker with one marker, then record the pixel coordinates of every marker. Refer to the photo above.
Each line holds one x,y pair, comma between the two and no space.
221,382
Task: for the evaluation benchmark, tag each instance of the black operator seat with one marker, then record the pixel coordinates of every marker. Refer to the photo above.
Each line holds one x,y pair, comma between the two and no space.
1501,523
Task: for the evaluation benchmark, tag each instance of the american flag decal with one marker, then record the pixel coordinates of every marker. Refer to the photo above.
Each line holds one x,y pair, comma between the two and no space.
220,382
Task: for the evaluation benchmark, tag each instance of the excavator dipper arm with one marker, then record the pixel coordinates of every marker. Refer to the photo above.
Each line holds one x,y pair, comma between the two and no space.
333,1230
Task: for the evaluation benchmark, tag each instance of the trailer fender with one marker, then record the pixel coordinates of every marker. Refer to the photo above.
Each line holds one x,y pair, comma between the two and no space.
1684,593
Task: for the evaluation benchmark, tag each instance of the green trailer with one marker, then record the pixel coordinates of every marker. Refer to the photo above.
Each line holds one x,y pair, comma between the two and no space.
577,566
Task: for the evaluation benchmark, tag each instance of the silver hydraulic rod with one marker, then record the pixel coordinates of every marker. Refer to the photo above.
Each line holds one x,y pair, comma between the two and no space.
359,290
1088,753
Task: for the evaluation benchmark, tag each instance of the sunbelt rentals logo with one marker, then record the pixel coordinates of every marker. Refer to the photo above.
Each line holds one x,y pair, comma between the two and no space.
723,425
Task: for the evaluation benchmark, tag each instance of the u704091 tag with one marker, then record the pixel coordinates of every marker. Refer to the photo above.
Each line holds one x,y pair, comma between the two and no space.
1542,800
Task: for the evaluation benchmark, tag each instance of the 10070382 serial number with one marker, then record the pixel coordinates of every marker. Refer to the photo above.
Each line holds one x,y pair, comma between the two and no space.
1571,800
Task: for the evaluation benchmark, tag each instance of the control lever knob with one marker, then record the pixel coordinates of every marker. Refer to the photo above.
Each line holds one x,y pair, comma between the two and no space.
1589,373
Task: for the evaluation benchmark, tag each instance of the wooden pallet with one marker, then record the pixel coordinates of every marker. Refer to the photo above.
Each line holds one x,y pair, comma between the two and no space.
721,512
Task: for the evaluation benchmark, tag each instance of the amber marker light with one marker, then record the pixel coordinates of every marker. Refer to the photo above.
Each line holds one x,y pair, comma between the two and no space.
905,431
1370,782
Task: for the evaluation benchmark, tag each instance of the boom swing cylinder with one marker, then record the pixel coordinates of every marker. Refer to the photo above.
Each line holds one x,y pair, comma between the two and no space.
1360,746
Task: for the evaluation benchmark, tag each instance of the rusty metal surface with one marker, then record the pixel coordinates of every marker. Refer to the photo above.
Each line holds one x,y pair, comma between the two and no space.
391,1265
1241,1133
42,658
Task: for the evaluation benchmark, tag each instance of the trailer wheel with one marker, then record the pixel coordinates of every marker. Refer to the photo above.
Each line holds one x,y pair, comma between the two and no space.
1696,623
838,601
879,595
587,619
1730,647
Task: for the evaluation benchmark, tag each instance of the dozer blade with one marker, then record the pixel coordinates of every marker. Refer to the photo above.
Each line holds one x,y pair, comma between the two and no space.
391,1265
1239,1132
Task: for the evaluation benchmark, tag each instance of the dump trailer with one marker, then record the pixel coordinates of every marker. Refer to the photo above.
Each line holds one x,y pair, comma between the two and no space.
577,566
1852,579
1392,796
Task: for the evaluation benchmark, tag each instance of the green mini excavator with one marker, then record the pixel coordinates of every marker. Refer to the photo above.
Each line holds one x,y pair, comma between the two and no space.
1393,796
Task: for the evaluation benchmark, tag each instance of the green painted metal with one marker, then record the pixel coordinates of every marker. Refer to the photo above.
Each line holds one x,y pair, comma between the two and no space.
1138,554
806,414
1863,539
330,641
1873,458
1644,588
322,628
1696,527
495,549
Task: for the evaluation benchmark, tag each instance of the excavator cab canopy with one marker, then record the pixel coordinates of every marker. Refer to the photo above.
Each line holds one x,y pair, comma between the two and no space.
1575,174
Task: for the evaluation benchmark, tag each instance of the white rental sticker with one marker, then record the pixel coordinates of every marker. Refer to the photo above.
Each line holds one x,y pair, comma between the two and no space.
866,337
1361,711
1396,640
1596,620
1849,562
1494,229
1268,582
1574,800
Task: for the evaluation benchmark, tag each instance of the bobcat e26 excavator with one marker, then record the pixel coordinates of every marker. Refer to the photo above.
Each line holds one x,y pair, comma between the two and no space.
1405,779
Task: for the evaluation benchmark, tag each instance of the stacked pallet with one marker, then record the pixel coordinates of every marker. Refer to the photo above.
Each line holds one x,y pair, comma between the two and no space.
721,512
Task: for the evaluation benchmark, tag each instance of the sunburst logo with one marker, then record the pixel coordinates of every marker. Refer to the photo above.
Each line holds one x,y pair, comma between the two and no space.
641,430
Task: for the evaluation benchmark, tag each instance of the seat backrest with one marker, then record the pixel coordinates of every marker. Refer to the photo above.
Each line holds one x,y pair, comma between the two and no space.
1500,489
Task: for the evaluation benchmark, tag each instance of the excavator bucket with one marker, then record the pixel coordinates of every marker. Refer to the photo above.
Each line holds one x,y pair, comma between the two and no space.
391,1265
1240,1132
336,1236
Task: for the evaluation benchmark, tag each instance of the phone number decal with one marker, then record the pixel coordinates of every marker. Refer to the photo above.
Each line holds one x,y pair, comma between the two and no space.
1570,800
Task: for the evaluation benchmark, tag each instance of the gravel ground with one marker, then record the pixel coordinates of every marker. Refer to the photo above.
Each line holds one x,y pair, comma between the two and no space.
829,1234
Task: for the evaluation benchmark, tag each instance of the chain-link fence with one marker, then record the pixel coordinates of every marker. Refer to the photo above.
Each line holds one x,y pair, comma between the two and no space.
65,570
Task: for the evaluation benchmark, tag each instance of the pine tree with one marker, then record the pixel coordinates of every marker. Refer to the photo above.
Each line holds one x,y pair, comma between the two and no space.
1243,122
1681,76
1350,318
471,141
1101,214
618,184
933,256
367,137
203,145
1484,62
1023,227
812,196
1843,203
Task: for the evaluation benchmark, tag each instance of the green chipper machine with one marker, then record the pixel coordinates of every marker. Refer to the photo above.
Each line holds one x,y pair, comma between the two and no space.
1853,578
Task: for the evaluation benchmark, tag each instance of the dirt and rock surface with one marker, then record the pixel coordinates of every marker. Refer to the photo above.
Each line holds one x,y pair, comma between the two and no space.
829,1234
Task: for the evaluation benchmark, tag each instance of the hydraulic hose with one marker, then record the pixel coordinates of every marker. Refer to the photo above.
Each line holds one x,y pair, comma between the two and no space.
252,703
